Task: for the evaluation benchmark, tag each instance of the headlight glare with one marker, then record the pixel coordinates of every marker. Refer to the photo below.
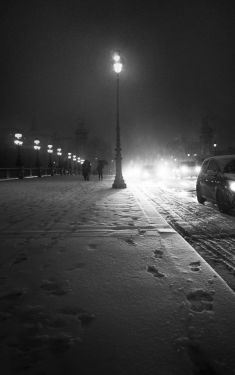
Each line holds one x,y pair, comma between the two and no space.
232,185
184,169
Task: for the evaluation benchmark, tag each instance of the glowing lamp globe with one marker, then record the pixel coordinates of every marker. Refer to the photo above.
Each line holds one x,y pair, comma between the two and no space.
117,66
18,135
116,57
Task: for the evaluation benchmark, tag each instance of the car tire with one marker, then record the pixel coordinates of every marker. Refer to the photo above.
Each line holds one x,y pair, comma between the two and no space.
222,202
200,198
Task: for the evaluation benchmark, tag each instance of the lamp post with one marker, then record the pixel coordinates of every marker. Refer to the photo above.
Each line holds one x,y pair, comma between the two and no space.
69,162
118,182
37,147
79,165
50,164
18,142
215,145
74,164
59,153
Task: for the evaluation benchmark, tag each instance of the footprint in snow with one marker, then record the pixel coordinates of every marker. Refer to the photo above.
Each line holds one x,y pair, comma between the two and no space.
195,266
130,224
130,241
56,288
154,271
158,253
85,317
141,231
36,316
30,349
200,300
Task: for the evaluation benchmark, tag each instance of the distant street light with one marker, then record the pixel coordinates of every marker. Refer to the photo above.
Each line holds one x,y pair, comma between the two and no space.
118,182
59,154
70,162
79,165
50,164
74,164
37,147
18,142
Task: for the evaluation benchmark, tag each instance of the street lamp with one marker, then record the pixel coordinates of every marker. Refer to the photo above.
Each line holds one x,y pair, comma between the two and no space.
118,182
74,164
70,162
79,165
37,147
50,164
18,142
59,153
215,145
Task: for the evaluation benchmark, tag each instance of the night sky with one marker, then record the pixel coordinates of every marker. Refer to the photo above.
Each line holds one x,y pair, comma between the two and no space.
56,64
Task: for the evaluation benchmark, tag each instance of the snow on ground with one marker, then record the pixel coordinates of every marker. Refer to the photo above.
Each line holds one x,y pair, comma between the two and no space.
209,231
93,280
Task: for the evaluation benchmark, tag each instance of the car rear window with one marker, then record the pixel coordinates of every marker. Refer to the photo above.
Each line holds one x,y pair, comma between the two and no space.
213,167
188,163
230,167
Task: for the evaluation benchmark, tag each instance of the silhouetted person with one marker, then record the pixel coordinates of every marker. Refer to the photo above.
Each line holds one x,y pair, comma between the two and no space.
86,170
100,167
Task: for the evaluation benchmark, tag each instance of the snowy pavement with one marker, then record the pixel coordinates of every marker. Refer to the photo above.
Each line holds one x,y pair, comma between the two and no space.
93,280
210,232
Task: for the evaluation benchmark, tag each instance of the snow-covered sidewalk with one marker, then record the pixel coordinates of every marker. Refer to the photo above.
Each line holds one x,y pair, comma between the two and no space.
93,280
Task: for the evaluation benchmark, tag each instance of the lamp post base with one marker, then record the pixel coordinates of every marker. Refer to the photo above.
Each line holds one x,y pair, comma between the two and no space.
39,172
21,173
119,183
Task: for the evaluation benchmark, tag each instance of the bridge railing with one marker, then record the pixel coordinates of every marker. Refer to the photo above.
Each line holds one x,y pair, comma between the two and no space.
22,172
8,173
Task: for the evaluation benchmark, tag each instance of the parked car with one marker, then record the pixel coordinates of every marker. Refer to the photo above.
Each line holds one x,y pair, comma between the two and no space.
216,182
187,168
